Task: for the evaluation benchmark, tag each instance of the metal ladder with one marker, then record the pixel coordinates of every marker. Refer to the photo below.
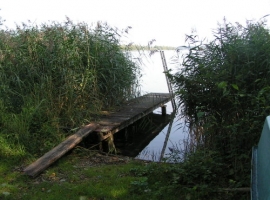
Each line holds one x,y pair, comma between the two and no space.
164,63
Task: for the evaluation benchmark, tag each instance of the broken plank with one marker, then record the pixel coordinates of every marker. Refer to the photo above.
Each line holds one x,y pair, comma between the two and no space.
57,152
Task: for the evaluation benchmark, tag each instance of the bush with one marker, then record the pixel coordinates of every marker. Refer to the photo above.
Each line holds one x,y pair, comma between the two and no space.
196,178
223,90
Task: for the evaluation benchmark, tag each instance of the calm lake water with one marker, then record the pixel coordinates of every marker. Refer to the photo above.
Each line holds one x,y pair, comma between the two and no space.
154,80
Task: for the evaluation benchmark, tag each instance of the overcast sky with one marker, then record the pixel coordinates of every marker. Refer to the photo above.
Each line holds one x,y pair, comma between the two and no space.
167,21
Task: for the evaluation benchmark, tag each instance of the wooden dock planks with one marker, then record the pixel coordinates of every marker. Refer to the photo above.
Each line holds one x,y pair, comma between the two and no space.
130,112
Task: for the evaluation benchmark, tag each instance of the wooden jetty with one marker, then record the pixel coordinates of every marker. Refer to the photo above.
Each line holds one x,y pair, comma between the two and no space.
105,128
131,112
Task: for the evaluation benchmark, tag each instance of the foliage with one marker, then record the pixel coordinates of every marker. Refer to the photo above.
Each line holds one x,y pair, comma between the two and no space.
196,178
223,90
55,77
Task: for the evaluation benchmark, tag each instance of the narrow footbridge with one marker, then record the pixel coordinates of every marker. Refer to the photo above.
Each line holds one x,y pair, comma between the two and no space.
105,128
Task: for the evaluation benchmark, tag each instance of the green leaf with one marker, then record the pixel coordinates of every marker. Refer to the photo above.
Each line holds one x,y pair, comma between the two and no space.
200,114
5,193
235,86
222,84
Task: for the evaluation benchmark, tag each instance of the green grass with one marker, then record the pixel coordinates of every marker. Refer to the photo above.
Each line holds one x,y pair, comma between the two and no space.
79,176
89,175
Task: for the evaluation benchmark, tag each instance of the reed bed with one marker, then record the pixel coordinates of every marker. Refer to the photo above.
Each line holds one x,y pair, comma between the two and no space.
56,77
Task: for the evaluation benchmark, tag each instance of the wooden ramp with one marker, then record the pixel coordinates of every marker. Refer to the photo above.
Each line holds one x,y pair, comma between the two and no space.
129,112
57,152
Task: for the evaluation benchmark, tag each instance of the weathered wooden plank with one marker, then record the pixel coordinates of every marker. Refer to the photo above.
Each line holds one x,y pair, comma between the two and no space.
50,157
132,112
113,120
106,127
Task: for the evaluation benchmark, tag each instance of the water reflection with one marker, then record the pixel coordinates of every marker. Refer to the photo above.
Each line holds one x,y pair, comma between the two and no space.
133,139
170,140
173,136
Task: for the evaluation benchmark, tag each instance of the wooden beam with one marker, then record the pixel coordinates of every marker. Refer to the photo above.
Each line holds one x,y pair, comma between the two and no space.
57,152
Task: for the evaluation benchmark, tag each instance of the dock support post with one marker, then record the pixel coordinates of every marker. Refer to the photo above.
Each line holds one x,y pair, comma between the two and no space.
163,110
107,145
100,138
110,143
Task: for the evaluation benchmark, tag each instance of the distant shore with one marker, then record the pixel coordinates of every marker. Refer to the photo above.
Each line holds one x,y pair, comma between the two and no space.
136,47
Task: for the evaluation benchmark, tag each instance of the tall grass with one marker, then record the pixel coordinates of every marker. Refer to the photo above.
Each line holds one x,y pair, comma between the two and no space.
57,76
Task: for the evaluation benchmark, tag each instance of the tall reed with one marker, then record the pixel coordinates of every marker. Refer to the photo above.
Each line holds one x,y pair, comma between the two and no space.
57,76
